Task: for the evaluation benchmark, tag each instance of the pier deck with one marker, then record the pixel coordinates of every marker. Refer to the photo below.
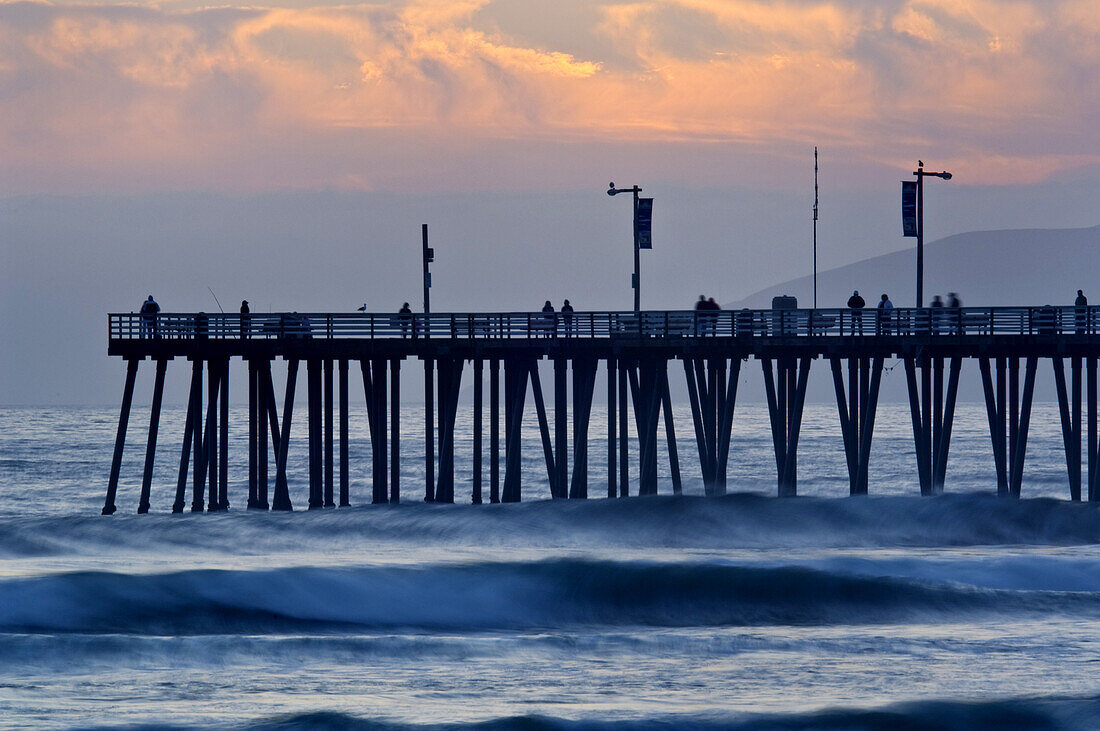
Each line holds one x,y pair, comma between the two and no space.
635,350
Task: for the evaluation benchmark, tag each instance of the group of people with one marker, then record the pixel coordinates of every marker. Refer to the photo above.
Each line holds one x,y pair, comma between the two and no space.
566,316
150,323
151,309
857,304
706,304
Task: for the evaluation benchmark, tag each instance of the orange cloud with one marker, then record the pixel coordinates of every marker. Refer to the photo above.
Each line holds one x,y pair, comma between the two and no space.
98,91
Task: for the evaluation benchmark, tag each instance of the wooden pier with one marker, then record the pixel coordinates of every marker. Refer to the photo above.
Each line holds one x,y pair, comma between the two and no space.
635,352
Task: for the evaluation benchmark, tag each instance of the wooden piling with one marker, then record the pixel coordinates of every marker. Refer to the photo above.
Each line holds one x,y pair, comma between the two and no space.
265,401
494,431
395,430
345,475
223,435
561,427
624,437
151,444
281,499
188,434
516,373
544,431
479,376
120,436
429,433
584,387
316,443
612,482
330,444
253,432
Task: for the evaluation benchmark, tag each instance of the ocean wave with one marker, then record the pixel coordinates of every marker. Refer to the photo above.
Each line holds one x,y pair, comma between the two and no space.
500,596
943,715
733,521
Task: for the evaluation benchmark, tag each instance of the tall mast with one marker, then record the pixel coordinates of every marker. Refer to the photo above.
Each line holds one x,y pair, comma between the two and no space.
815,227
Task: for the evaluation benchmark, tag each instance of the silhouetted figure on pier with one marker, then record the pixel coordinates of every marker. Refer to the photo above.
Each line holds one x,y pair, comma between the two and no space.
856,304
549,322
149,310
954,311
885,307
1082,314
936,313
567,318
710,318
246,320
202,326
405,317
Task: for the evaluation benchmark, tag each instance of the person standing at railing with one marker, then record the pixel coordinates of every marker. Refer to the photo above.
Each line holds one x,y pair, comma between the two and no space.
567,318
1082,312
885,311
149,310
550,320
713,308
246,320
404,317
856,305
936,313
954,309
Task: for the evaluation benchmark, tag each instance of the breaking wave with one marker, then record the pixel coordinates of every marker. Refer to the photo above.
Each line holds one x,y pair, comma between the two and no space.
508,596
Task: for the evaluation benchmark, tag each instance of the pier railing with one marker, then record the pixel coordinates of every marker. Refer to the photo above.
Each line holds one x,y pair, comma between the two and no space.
805,323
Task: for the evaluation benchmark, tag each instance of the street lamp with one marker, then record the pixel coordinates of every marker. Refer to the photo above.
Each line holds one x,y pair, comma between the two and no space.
921,175
641,228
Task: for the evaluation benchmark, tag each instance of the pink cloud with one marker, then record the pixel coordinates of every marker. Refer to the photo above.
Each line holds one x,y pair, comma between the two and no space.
119,96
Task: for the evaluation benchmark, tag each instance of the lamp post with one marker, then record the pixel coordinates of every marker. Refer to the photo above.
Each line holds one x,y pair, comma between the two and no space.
636,282
921,175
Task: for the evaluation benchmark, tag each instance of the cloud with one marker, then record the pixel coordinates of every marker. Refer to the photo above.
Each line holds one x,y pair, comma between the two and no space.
117,96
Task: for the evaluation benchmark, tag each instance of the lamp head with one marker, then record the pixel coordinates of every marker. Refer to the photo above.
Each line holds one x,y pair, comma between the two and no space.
945,175
611,188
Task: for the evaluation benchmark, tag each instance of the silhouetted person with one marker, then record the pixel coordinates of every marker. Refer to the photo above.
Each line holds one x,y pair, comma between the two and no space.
856,304
712,318
405,316
149,310
202,328
937,312
567,317
246,320
1082,305
884,312
550,321
954,307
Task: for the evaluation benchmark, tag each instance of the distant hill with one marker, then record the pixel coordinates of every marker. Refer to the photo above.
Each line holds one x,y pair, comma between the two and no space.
1011,267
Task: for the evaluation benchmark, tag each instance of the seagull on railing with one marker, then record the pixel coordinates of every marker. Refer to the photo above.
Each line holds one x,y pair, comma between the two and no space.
363,308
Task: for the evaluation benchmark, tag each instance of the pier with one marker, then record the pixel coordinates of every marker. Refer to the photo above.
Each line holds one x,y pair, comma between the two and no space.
635,355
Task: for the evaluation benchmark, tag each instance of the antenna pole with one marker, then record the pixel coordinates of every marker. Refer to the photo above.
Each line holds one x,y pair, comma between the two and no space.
815,227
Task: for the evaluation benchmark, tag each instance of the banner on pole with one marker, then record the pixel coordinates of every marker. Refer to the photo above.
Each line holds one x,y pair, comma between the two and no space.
643,223
908,208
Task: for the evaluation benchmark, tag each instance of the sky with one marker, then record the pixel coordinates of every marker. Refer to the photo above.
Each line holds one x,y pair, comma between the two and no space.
287,152
446,95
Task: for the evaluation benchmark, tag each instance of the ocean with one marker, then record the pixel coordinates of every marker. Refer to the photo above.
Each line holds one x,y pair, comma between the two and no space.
890,611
